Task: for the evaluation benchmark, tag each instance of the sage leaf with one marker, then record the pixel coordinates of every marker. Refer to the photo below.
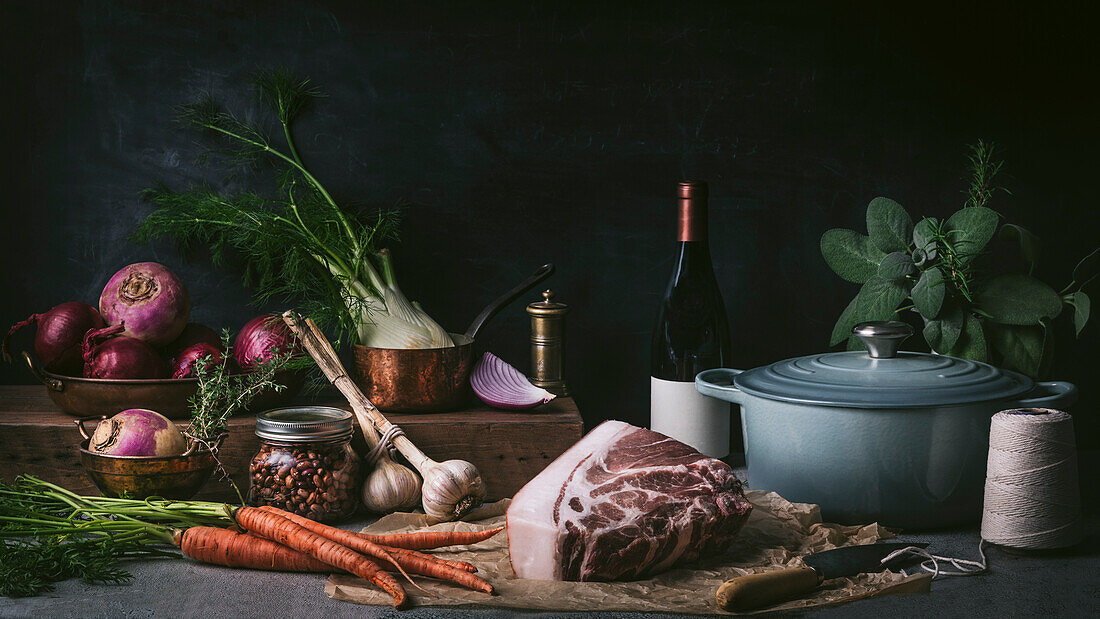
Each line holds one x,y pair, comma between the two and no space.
969,230
929,293
924,238
850,254
942,333
1018,299
1021,347
896,266
971,344
1029,243
1082,306
842,330
889,225
1088,268
877,300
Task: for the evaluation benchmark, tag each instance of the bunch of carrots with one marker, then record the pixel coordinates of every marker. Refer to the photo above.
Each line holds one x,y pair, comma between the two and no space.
249,537
274,539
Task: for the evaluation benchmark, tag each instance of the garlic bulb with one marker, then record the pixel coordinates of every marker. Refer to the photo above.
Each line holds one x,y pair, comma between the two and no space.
451,488
390,487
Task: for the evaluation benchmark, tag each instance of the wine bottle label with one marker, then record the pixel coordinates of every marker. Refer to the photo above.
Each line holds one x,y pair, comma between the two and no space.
677,410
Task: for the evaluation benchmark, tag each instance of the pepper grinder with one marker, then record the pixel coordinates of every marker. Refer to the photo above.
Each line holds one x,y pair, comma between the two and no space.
548,343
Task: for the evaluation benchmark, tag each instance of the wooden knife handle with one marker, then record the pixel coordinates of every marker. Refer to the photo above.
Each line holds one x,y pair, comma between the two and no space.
765,588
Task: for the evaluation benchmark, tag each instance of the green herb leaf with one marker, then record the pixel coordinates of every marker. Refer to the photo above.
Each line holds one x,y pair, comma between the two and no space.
1021,347
970,230
896,266
1088,268
1082,306
842,330
929,293
1017,299
942,333
877,300
924,237
850,254
889,225
1029,243
971,344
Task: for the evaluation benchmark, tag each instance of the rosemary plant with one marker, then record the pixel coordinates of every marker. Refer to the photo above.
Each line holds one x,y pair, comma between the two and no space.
302,247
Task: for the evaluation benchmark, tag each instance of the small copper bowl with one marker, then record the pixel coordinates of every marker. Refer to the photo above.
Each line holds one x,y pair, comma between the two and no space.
140,477
420,380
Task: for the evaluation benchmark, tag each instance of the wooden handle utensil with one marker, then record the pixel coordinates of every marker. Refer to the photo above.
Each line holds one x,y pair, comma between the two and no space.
766,588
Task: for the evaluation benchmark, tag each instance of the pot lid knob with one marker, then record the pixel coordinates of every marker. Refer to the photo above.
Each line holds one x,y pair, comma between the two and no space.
882,337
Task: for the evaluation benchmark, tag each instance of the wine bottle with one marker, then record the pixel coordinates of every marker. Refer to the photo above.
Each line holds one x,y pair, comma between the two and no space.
691,335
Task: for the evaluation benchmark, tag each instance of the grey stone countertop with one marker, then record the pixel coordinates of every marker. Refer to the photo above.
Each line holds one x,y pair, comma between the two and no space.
1061,584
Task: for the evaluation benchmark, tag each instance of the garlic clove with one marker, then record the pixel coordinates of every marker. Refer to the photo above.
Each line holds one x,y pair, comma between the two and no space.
390,487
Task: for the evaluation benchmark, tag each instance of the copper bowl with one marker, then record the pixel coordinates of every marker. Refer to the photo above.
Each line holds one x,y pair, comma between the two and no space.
429,380
423,380
140,477
85,397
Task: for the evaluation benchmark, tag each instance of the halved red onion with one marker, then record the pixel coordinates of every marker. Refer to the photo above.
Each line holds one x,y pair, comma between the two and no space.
502,386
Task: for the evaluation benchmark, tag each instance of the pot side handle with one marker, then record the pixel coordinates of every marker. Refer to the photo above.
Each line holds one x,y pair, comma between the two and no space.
718,383
1052,394
51,383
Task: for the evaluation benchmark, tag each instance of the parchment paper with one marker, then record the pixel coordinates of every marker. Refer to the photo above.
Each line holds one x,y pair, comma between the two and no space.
777,533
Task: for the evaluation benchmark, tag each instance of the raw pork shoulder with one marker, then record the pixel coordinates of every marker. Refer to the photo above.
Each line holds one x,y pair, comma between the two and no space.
623,503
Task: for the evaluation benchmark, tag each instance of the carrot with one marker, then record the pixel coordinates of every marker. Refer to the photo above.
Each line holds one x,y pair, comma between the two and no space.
232,548
404,552
426,540
425,565
277,528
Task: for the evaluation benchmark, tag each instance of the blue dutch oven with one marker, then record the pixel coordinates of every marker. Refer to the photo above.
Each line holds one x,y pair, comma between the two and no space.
899,438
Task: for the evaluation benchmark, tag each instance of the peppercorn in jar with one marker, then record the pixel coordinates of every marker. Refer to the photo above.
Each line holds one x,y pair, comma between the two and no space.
305,464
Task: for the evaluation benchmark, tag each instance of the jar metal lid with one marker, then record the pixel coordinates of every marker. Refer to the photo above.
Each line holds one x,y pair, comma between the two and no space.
306,424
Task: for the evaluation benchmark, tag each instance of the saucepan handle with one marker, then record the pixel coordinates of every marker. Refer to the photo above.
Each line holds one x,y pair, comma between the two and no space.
1050,394
540,274
718,383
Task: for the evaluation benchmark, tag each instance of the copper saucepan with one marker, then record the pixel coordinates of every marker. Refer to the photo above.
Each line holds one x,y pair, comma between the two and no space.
429,380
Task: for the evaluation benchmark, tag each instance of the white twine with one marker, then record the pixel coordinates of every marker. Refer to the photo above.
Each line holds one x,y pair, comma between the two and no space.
1032,499
384,443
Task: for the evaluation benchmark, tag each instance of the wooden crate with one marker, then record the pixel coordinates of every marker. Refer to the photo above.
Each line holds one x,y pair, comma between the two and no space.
508,448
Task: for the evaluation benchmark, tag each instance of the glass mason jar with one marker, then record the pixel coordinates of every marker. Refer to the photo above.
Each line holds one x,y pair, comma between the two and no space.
305,464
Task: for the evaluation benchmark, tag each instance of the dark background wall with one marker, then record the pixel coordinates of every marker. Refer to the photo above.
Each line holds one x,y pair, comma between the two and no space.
530,133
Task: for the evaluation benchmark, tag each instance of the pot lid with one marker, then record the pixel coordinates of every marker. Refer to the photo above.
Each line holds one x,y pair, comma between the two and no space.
882,377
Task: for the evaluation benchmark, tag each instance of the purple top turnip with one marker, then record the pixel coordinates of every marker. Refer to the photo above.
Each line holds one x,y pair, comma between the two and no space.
149,299
137,432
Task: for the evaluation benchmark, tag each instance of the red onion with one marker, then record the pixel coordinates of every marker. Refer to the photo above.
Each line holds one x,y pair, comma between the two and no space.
57,342
183,364
149,299
193,333
137,432
120,356
502,386
262,338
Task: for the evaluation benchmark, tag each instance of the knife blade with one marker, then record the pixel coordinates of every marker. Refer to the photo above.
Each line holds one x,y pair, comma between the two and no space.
767,588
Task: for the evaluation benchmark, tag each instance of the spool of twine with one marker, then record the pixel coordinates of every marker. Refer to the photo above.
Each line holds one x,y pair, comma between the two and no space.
1032,498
